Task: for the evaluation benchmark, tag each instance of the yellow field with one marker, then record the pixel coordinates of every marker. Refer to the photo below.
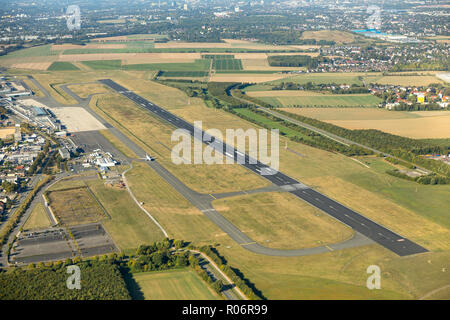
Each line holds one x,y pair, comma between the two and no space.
418,125
32,65
5,132
247,78
329,35
284,93
280,220
413,80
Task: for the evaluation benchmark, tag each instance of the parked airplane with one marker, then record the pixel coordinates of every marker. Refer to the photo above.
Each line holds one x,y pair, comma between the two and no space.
148,158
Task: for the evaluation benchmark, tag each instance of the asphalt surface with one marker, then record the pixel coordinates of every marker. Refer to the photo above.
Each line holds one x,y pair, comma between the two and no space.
370,229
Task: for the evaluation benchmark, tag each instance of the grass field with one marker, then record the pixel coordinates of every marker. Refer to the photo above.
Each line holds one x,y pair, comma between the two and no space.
84,90
38,219
182,284
62,66
329,35
289,99
129,226
169,207
280,220
418,125
75,206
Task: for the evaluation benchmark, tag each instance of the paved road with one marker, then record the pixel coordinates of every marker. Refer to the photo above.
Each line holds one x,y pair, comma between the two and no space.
358,222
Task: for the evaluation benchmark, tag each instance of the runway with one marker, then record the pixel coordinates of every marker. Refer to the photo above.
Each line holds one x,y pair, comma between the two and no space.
372,230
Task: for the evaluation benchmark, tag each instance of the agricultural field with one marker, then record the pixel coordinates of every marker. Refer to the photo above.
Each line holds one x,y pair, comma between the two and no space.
182,284
327,35
417,124
75,206
298,225
38,219
404,79
227,64
286,98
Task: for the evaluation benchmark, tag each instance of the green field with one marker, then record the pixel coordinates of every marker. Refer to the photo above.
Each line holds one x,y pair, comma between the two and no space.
227,64
198,65
182,284
40,51
344,100
62,66
337,78
103,64
191,74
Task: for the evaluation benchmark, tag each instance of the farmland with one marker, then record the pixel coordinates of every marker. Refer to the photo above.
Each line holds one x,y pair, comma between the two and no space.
419,124
301,98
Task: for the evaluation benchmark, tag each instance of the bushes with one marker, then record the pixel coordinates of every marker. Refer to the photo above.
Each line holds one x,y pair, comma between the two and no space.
237,277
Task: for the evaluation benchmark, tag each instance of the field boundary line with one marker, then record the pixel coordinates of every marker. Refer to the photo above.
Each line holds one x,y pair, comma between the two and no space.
138,203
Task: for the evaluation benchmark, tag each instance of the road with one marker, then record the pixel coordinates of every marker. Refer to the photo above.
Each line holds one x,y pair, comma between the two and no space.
370,229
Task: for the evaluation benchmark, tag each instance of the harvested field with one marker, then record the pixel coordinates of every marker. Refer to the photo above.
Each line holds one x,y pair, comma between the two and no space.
418,125
329,35
178,44
247,78
75,206
67,46
32,65
418,128
5,132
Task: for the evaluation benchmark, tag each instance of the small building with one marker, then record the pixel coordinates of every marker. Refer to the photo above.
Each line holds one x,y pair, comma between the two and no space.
64,153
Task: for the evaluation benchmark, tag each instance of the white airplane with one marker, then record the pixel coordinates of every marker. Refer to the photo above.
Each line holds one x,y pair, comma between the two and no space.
148,158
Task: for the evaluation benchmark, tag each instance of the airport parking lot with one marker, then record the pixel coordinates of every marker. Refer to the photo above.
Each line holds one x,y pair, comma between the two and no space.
56,244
